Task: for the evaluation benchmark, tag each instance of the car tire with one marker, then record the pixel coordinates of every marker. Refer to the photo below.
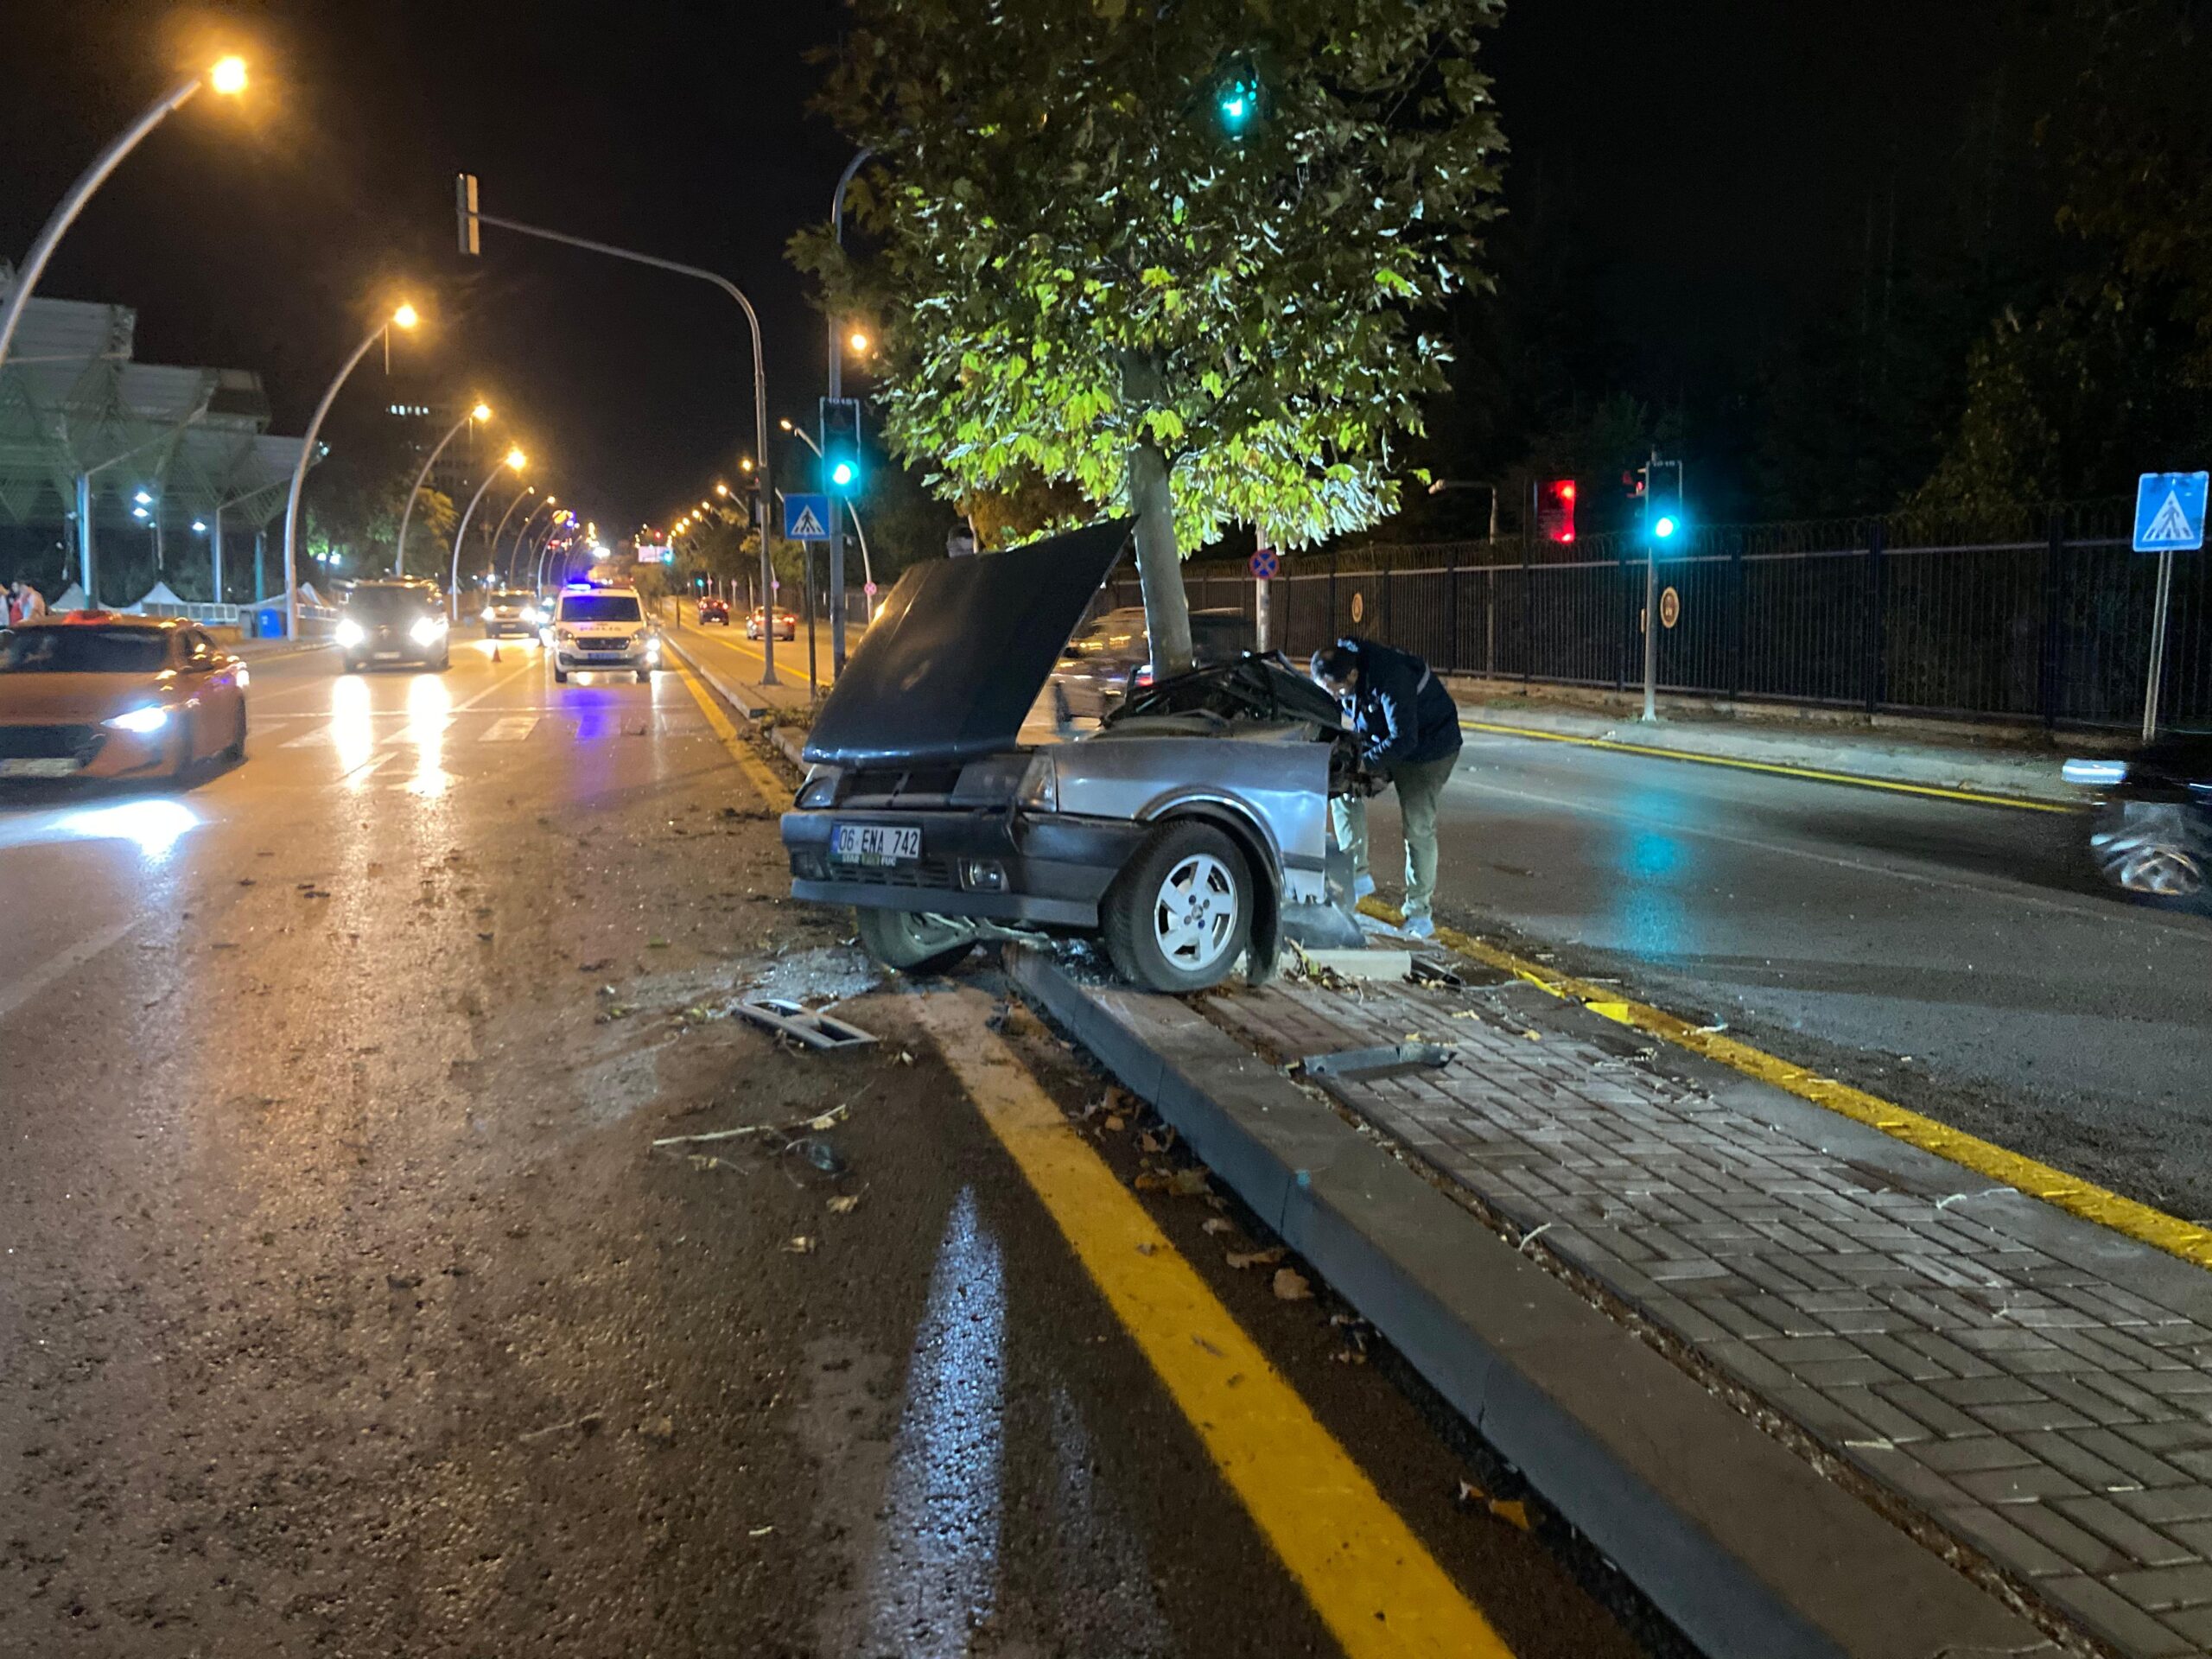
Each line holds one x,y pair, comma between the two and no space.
560,677
913,941
445,661
1179,914
2150,852
234,751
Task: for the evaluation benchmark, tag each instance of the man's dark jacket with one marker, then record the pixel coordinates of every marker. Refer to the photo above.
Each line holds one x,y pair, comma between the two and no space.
1403,715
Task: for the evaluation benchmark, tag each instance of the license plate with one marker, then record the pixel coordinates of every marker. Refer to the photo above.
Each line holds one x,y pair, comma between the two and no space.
61,767
387,655
874,844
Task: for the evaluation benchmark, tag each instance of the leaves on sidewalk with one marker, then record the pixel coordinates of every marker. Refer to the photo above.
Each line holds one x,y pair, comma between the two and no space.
1292,1285
1242,1259
845,1206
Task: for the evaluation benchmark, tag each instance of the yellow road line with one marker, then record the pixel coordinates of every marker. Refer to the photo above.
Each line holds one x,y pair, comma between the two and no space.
774,791
1369,1578
2054,1186
794,660
1812,774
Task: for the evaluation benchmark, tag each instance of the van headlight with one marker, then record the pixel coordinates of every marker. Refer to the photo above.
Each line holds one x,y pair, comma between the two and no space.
348,631
427,630
140,721
820,788
488,612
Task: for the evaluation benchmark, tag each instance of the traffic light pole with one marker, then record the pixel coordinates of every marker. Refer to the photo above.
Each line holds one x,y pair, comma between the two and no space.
837,391
471,218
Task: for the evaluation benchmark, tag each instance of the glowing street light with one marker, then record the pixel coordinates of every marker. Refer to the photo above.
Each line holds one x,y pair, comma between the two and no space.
513,461
479,412
859,341
227,76
404,317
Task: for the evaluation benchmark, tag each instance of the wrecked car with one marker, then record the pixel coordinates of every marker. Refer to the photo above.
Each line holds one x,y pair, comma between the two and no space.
1188,832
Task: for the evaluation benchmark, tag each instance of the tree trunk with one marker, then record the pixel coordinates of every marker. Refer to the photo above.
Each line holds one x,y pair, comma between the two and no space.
1160,567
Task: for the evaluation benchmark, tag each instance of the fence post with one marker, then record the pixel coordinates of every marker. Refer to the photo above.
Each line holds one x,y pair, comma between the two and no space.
1625,602
1876,603
1739,604
1452,592
1528,620
2054,616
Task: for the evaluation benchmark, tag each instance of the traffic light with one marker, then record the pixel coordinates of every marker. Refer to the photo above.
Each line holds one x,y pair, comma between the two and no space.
840,445
1661,489
1237,97
1555,510
464,209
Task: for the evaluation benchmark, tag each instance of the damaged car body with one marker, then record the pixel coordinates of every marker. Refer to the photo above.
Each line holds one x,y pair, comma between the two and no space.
1190,832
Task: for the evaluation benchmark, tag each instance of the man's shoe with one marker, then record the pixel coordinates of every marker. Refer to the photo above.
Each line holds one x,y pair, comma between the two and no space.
1362,885
1419,927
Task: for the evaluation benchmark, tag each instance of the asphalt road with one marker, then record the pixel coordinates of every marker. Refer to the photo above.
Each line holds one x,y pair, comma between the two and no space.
1955,957
347,1308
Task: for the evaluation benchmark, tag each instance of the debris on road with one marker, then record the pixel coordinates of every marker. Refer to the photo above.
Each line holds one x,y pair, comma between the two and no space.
800,1244
1242,1259
844,1205
661,1431
1292,1285
792,1020
587,1424
820,1122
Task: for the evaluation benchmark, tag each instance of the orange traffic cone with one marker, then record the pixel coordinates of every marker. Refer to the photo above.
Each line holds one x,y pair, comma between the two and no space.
495,651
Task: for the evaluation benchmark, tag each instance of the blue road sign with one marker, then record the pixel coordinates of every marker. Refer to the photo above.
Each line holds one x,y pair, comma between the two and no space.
806,517
2169,511
1265,564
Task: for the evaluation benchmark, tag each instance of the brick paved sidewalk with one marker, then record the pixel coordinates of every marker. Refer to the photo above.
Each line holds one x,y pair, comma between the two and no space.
2039,1388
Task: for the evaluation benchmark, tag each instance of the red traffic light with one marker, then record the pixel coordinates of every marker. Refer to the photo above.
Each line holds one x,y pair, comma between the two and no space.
1555,510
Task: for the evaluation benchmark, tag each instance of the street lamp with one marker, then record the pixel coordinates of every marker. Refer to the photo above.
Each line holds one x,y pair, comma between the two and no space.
514,460
228,77
522,530
404,317
859,341
480,411
500,529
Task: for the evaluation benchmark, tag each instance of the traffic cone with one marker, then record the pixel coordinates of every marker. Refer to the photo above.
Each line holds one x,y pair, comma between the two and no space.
495,651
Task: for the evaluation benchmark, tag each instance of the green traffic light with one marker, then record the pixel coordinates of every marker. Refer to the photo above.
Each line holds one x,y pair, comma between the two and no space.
1665,527
1239,101
842,473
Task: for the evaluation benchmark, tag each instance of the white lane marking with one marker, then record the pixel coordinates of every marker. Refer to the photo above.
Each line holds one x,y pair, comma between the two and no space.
511,729
55,967
367,767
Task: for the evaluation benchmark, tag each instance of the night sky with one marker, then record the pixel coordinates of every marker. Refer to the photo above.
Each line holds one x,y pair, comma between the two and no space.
1717,165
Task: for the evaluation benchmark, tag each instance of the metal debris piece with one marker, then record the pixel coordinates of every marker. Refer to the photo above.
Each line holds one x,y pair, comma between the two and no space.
1373,1064
1427,970
801,1024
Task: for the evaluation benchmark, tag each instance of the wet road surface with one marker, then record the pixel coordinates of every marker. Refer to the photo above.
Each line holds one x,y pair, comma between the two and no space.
348,1309
1955,957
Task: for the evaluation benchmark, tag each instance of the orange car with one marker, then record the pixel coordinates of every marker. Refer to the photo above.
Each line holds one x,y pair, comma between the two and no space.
93,695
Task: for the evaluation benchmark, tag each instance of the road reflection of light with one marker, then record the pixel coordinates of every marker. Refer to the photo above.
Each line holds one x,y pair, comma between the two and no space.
1653,918
936,1578
156,825
430,706
351,728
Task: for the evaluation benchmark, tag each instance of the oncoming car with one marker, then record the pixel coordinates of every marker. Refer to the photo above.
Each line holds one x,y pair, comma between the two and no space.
90,695
1189,831
509,610
393,621
597,629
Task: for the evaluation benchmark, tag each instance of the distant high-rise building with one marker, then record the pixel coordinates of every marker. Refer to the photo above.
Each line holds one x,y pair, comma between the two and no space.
459,469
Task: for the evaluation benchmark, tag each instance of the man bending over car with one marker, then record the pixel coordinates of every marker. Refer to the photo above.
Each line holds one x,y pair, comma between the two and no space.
1408,731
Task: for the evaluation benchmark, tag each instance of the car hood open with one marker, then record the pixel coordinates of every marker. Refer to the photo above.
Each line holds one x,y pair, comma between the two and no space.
955,659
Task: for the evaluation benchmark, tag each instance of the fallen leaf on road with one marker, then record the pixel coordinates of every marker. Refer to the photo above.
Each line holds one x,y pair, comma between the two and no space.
597,966
758,1532
1146,1181
1146,1249
656,944
1291,1286
1242,1259
1513,1512
801,1244
1188,1183
1151,1142
659,1430
1217,1225
827,1120
1114,1122
703,1160
843,1206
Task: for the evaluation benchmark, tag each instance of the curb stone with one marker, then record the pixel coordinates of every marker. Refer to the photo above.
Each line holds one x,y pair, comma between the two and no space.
751,708
1748,1550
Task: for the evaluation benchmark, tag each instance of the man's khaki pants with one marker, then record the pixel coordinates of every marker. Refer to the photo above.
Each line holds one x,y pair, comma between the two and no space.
1419,788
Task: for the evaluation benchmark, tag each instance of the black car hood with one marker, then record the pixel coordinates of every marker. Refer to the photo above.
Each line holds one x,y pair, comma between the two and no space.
952,666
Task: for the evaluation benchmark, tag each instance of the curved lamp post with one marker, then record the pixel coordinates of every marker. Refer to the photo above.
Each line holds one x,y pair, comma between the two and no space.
514,552
492,541
479,412
405,317
514,460
226,77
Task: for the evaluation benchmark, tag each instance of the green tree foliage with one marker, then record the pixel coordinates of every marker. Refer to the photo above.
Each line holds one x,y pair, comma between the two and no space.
1081,276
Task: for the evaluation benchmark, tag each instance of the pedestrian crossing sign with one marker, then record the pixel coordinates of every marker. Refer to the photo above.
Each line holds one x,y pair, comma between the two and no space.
2169,511
806,517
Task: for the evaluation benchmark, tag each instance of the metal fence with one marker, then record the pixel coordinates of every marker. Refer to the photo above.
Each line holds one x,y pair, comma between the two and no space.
2054,628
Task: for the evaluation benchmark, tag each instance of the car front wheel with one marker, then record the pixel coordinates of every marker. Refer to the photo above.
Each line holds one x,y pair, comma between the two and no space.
911,942
1181,911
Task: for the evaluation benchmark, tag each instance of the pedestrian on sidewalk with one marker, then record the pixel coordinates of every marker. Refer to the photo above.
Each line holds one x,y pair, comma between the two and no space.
1408,731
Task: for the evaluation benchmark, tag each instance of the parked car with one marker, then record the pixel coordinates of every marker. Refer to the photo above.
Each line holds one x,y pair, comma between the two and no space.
95,695
713,610
392,621
509,610
757,624
2150,834
1189,830
1112,657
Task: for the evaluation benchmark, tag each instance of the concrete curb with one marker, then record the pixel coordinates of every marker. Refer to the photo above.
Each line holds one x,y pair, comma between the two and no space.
751,708
1739,1540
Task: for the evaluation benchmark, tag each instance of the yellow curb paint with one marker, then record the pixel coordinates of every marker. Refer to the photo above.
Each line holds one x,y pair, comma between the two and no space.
774,792
2056,1187
1368,1577
1813,774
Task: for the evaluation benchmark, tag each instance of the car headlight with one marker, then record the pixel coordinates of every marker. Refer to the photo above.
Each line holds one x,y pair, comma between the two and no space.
1040,785
652,645
532,618
152,718
488,612
820,788
427,630
349,632
244,677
